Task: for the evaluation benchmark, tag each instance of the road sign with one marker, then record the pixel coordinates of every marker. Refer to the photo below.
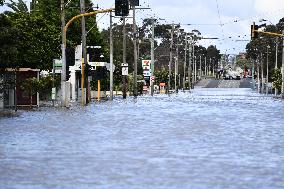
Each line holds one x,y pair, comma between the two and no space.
146,73
145,88
57,63
152,78
146,65
124,68
53,93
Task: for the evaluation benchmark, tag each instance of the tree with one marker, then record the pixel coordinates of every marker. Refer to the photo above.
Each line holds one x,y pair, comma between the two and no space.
18,7
8,45
243,63
277,79
214,54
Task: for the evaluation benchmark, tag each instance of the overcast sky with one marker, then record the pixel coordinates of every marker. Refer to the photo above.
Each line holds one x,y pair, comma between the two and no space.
229,20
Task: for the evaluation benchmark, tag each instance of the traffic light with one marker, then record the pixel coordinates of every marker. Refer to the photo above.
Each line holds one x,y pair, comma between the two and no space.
121,7
134,2
254,33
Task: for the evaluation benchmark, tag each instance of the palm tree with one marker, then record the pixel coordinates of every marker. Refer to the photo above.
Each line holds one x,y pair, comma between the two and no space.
17,7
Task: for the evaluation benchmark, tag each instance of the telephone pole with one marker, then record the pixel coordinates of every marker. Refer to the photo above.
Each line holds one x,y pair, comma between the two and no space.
176,63
276,61
185,59
63,48
193,62
190,66
84,53
111,57
200,68
152,56
267,59
135,52
262,74
124,58
282,86
171,57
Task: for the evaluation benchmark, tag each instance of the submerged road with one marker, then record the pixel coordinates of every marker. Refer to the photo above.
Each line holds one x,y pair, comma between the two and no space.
207,139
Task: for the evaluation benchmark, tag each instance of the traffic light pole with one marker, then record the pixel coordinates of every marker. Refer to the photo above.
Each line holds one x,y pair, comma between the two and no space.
64,102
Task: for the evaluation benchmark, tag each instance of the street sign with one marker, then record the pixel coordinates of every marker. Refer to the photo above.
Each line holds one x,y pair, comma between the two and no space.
146,65
95,64
152,78
146,73
124,68
145,88
57,63
53,93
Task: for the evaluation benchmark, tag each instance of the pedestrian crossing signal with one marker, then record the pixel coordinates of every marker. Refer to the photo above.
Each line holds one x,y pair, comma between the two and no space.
121,7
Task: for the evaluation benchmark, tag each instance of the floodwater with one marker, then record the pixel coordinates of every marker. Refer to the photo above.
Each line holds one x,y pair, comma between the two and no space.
207,139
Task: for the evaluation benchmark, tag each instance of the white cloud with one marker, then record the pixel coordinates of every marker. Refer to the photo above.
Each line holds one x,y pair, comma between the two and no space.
263,6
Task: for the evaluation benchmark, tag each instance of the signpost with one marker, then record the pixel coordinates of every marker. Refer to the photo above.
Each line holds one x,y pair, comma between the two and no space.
146,65
124,69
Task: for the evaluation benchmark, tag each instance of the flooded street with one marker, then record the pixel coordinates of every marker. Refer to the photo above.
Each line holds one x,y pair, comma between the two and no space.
207,139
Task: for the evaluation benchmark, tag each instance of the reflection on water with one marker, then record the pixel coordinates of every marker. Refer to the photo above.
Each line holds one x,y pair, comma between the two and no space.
205,139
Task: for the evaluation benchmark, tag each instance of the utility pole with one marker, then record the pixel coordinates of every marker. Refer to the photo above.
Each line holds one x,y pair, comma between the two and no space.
258,79
267,59
210,62
152,56
190,66
111,57
262,75
282,86
195,69
193,62
184,66
124,58
135,52
276,62
171,57
205,66
63,48
176,64
84,53
200,68
253,84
